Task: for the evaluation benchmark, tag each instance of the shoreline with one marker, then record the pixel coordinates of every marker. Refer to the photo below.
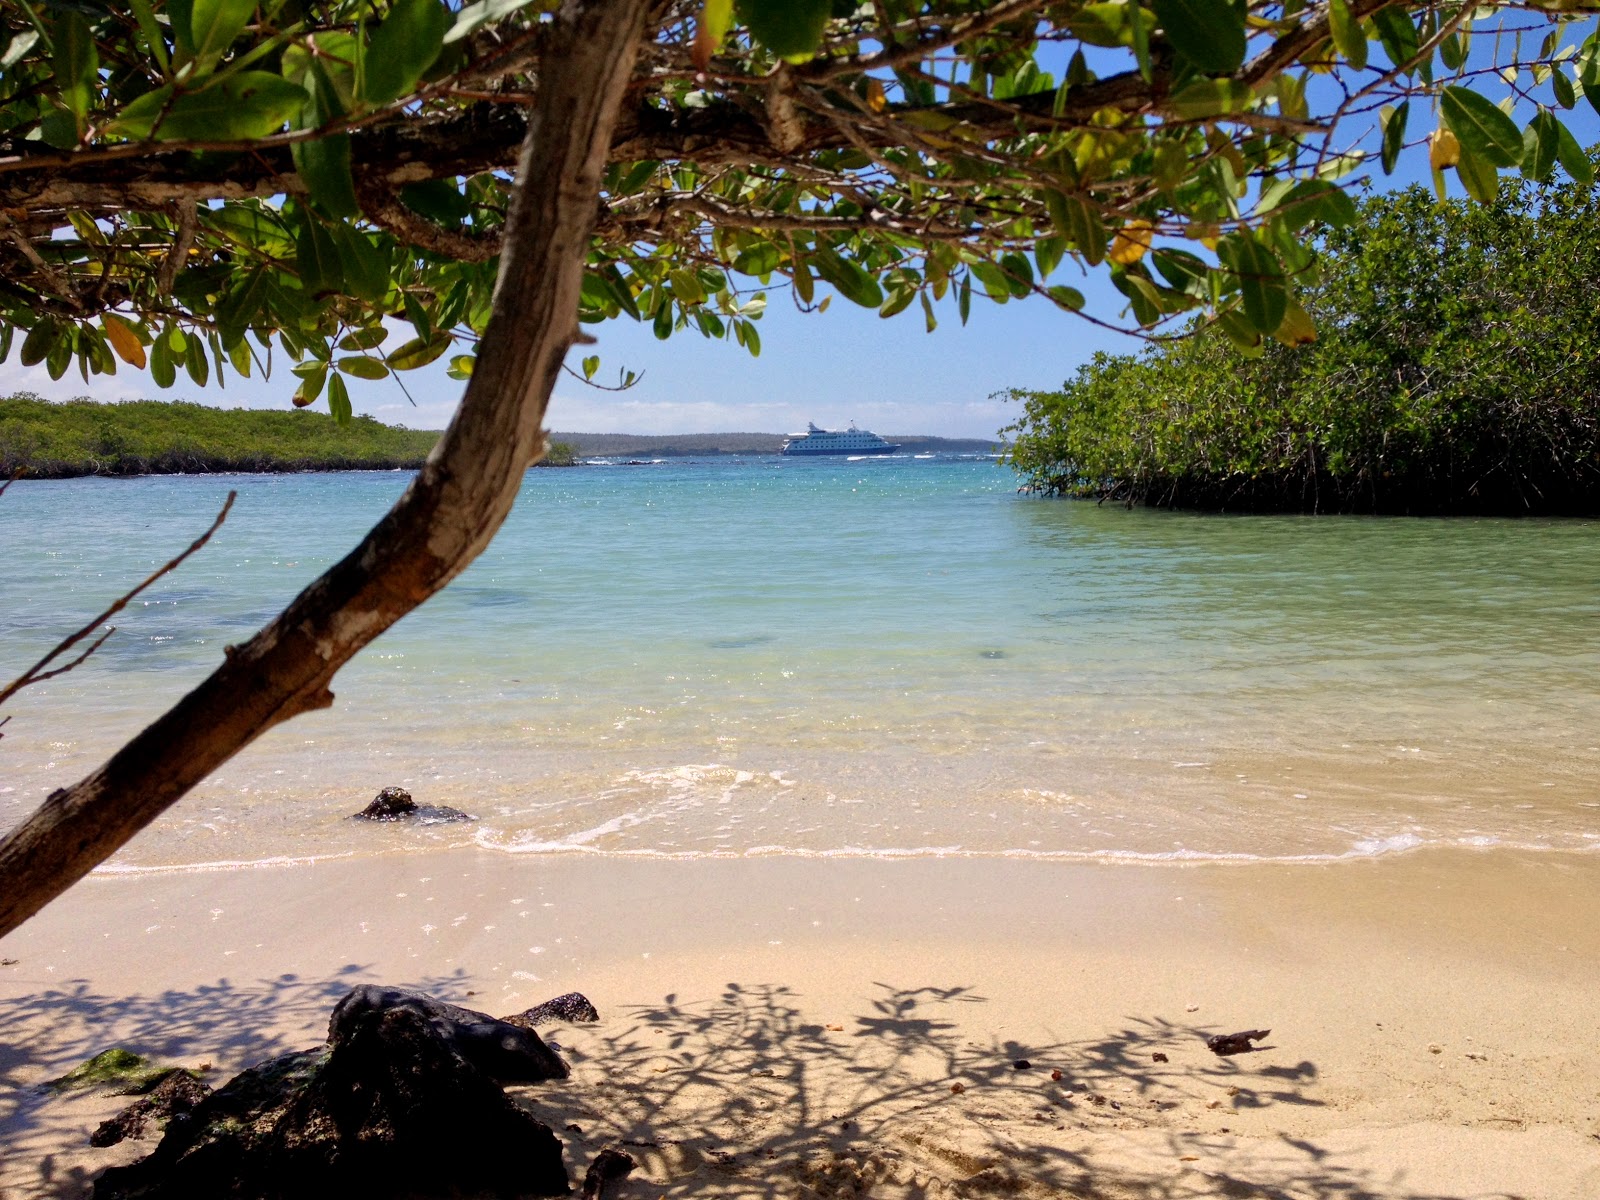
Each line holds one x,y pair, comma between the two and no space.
1430,1013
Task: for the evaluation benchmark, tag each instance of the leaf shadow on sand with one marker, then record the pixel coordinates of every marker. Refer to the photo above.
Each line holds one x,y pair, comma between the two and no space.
746,1094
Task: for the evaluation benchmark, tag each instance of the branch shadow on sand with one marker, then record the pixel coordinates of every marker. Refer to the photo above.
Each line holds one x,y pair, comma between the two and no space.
748,1094
745,1094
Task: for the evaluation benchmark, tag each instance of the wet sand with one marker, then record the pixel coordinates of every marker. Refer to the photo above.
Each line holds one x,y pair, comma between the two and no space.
799,1026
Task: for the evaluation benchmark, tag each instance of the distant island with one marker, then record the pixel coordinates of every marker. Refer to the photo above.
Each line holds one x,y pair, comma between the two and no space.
683,445
41,439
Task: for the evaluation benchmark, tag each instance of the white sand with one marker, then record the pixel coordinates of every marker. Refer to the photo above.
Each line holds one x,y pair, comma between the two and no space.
794,1027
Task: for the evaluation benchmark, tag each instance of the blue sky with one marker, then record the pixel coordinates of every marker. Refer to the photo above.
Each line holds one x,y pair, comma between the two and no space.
834,367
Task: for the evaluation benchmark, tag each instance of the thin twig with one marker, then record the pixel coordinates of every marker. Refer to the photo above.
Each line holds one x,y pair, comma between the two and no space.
37,672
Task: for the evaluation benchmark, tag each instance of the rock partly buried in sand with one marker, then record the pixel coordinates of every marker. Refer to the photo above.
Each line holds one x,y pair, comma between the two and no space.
396,804
397,1105
573,1007
609,1166
1235,1043
502,1050
178,1093
122,1071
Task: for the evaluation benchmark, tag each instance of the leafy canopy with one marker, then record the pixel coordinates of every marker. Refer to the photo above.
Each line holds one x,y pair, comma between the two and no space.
1458,371
212,186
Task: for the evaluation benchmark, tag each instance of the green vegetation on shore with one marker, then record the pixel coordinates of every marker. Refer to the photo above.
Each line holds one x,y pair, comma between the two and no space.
1456,370
43,440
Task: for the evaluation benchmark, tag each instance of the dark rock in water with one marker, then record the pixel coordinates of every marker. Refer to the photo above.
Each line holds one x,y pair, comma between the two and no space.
395,1107
1235,1043
396,804
178,1092
389,805
439,814
573,1007
609,1166
501,1050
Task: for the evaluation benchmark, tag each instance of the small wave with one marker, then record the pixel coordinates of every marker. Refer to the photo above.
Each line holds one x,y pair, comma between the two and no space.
229,864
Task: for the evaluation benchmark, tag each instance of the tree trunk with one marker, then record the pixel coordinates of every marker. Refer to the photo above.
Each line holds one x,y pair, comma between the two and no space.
444,520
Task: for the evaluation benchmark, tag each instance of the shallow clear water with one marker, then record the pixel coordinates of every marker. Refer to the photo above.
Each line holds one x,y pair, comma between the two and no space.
883,656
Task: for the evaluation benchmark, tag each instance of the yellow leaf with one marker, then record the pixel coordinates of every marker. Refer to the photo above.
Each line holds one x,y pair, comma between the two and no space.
876,100
1297,328
1132,242
1443,150
123,340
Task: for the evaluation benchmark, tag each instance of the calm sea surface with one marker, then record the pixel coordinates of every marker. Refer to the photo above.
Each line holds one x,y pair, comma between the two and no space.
890,657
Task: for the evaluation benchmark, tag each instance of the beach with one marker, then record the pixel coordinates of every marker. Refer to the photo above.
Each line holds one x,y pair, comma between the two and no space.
842,788
853,1027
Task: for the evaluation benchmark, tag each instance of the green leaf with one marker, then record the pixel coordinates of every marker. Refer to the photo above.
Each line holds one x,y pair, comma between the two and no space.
686,286
1261,285
1019,274
312,377
365,263
1210,98
76,62
419,352
1572,158
1398,35
162,369
364,339
1477,175
851,280
899,300
1245,338
213,26
1209,33
1315,200
405,45
760,259
1080,223
1539,143
362,367
474,17
1067,297
1561,85
791,29
154,43
1452,51
339,399
1186,272
1348,36
241,306
460,367
1394,134
1139,36
195,361
242,107
318,259
591,364
41,338
323,164
437,199
1480,126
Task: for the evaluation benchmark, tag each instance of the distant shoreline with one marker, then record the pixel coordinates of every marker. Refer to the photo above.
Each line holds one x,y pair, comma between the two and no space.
41,439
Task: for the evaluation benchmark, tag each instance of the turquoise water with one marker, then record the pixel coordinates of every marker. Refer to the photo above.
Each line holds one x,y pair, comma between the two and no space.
891,656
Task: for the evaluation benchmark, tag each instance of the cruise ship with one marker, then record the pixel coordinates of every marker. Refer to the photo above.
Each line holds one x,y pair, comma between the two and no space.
836,441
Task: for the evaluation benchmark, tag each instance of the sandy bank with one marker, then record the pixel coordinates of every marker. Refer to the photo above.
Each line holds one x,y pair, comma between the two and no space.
794,1027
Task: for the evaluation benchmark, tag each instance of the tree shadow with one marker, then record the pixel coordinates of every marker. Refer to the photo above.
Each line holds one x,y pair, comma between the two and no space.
746,1094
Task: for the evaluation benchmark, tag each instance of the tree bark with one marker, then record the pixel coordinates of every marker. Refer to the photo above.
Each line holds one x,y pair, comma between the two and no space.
446,517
